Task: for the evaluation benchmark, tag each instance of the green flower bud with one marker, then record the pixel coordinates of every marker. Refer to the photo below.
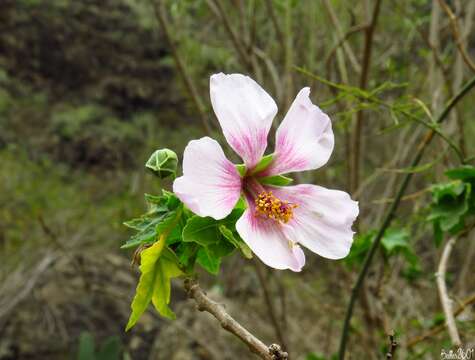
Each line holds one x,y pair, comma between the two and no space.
163,163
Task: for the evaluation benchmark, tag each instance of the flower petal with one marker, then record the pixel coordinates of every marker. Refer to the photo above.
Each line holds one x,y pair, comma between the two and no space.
210,185
267,240
304,139
323,219
245,112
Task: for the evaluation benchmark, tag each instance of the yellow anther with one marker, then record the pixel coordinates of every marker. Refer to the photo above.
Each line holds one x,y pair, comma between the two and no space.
273,208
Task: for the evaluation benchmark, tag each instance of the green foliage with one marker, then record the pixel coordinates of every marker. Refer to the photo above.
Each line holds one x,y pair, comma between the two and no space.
171,241
110,349
163,211
234,238
157,270
452,202
214,240
394,242
86,346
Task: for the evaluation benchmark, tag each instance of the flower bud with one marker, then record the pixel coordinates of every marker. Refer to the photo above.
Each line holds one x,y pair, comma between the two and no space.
163,163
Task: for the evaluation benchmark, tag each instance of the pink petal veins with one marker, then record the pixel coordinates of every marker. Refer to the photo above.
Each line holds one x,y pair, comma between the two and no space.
304,139
245,112
210,185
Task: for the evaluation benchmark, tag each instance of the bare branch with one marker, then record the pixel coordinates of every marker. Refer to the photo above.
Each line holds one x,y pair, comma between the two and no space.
341,41
349,52
392,347
457,35
190,86
270,305
275,22
444,297
419,152
439,328
8,305
358,131
217,8
204,303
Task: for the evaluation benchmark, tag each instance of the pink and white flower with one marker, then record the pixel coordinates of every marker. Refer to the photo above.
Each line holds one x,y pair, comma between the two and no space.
277,219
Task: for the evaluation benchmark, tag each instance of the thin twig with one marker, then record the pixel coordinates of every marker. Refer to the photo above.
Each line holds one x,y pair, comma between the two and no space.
434,49
444,297
270,305
33,277
217,8
439,328
336,23
404,198
189,85
457,36
392,212
351,31
204,303
392,347
275,22
358,131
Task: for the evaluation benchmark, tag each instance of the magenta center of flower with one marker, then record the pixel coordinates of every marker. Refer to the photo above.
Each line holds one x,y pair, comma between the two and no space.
271,207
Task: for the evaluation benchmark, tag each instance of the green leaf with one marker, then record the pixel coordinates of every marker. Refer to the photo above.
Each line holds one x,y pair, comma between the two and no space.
86,346
438,234
394,239
175,235
156,203
452,189
163,163
360,247
139,224
154,282
171,200
466,172
167,221
153,224
209,262
212,239
221,249
148,228
397,241
241,168
263,164
201,230
451,204
186,253
234,239
240,205
110,349
145,287
276,180
167,269
155,199
144,237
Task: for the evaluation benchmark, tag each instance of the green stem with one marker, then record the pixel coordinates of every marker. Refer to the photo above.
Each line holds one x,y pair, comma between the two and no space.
390,215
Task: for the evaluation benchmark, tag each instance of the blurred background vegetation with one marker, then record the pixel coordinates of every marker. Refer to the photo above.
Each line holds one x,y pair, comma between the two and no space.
89,89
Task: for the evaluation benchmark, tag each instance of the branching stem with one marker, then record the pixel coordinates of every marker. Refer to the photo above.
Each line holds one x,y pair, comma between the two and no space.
391,213
443,294
204,303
